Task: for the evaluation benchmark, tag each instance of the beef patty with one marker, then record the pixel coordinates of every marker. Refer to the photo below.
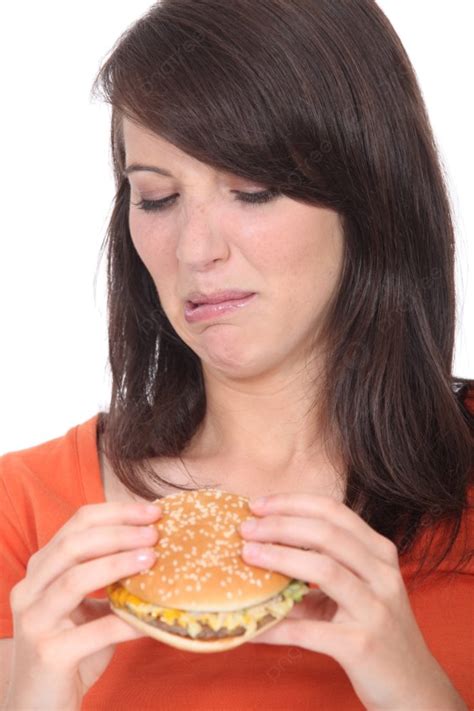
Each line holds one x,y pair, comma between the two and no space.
206,632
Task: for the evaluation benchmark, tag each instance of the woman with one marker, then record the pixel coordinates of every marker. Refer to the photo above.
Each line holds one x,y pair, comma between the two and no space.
278,149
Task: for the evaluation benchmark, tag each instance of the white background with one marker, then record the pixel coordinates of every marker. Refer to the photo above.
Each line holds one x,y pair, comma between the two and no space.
57,191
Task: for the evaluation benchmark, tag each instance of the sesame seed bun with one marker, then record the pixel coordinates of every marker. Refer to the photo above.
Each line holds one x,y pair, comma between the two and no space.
199,566
200,595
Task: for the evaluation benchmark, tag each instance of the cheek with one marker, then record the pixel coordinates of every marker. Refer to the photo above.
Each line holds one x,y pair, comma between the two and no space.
151,250
316,262
306,258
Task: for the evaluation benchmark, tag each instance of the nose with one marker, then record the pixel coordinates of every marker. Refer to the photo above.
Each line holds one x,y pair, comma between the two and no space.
201,239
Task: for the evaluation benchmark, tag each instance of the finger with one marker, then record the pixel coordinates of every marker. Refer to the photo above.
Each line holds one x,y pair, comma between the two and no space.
90,609
83,545
337,641
68,648
327,508
66,593
108,514
322,536
55,558
314,606
351,593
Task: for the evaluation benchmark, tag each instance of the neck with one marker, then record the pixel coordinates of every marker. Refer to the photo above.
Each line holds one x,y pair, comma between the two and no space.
272,428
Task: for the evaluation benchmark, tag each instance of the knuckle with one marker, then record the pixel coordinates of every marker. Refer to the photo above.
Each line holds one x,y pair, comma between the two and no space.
67,583
83,514
17,596
393,584
332,506
327,568
32,563
26,620
390,549
273,525
326,533
66,547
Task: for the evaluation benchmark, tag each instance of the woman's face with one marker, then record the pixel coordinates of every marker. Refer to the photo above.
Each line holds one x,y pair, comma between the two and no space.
206,239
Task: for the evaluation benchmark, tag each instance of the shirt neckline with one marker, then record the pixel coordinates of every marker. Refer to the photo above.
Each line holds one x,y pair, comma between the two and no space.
88,463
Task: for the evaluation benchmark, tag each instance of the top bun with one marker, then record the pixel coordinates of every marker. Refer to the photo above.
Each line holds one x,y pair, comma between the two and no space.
199,566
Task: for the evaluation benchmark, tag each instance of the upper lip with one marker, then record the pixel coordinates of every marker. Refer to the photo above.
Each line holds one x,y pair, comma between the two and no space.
216,297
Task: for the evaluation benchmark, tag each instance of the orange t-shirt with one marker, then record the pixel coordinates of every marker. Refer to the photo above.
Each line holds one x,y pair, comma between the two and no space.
40,489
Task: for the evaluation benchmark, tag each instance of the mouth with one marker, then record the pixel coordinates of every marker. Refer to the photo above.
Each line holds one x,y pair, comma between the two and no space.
195,312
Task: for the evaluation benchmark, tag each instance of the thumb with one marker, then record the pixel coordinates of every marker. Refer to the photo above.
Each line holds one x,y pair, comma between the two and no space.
314,635
90,609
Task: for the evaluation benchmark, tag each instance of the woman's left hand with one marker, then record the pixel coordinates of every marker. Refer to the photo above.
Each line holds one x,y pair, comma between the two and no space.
361,614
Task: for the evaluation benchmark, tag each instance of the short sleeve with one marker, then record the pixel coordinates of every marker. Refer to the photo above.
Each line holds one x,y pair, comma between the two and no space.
14,553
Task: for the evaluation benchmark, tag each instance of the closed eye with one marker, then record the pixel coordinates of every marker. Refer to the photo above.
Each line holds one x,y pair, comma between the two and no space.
249,198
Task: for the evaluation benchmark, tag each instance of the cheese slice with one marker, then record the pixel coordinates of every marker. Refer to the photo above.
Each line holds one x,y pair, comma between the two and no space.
193,621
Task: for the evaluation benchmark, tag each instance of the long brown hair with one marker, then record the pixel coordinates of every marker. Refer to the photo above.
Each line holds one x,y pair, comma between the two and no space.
319,99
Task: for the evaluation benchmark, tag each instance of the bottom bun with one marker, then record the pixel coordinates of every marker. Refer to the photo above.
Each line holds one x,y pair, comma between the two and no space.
187,643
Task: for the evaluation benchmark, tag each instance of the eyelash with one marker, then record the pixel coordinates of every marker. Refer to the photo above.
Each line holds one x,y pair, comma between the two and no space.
248,198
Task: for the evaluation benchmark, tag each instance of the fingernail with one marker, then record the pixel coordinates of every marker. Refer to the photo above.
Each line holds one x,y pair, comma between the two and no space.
152,509
145,555
258,502
249,525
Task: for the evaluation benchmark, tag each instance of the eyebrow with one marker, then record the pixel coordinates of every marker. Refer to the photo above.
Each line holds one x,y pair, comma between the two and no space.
135,167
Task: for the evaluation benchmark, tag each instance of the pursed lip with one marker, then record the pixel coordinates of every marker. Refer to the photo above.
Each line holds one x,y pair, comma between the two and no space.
197,313
196,298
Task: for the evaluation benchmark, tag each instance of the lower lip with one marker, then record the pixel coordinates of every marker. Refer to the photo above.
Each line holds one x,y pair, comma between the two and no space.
205,312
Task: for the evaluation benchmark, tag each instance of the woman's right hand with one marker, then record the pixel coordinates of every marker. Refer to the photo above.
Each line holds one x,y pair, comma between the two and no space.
62,641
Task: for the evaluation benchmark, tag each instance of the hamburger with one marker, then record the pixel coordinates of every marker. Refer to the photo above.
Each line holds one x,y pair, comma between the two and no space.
200,595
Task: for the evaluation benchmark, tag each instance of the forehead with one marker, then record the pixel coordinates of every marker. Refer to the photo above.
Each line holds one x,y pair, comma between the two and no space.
144,147
140,141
